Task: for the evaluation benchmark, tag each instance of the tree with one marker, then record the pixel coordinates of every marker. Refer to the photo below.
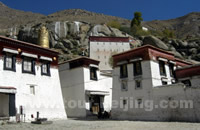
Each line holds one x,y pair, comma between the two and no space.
136,28
137,19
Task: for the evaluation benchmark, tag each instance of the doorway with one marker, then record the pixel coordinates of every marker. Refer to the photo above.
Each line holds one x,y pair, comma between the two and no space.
96,104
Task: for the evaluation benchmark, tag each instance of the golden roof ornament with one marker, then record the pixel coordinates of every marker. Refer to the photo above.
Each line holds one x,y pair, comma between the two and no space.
43,37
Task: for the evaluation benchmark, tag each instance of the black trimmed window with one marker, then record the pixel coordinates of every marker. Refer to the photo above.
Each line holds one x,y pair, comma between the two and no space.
93,73
28,65
45,69
164,82
137,68
171,70
138,84
162,68
123,71
124,85
10,62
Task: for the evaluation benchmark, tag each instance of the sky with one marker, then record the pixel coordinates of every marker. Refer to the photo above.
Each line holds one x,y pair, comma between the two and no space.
150,9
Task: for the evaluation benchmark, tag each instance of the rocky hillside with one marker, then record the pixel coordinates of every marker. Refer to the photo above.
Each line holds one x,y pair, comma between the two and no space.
69,31
85,16
11,17
69,38
188,25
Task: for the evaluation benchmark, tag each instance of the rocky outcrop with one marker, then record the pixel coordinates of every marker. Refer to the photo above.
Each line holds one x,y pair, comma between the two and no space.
152,40
70,38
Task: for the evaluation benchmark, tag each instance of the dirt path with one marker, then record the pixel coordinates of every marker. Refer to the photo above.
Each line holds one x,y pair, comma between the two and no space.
103,125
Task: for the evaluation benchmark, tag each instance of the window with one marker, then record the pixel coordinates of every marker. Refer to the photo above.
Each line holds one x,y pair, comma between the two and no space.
93,73
171,70
124,102
45,69
32,89
164,83
138,84
9,62
28,65
137,68
187,83
139,102
162,68
124,85
123,71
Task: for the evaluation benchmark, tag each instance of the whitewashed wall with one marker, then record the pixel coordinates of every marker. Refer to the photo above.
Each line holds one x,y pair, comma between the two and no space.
104,83
102,51
48,97
153,92
72,83
75,82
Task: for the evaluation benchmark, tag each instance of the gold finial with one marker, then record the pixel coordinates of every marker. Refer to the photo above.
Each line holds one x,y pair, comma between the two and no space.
43,37
54,58
19,50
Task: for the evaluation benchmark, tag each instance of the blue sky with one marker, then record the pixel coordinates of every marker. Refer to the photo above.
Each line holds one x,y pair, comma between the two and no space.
151,9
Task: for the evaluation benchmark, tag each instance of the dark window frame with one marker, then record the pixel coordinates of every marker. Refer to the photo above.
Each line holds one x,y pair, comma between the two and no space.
171,70
32,65
13,56
124,83
93,70
164,83
136,71
48,64
140,82
162,65
123,74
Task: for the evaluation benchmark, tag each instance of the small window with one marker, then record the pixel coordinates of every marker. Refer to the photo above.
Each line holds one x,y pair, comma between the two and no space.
9,62
45,69
187,83
28,65
98,49
164,83
138,84
32,89
137,68
104,57
124,102
171,70
93,73
124,85
98,57
139,101
123,71
162,68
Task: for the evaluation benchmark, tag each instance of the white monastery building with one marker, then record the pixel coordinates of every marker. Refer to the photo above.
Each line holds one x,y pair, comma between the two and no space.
86,90
151,84
29,81
102,49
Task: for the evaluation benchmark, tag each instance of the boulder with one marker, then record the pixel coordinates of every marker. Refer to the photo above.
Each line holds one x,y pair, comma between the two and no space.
193,51
152,40
182,44
100,30
116,32
67,43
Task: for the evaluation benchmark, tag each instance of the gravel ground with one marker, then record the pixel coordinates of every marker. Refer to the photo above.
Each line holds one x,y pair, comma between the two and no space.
72,124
